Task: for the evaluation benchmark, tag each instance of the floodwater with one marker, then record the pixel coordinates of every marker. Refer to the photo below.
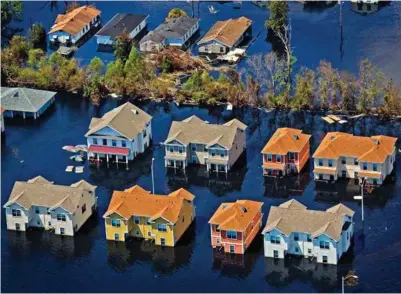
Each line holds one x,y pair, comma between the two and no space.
316,33
89,263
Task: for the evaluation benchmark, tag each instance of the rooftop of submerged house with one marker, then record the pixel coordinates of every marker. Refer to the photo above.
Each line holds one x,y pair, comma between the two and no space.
286,140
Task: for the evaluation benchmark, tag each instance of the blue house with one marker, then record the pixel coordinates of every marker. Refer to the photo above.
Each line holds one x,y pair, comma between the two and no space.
177,32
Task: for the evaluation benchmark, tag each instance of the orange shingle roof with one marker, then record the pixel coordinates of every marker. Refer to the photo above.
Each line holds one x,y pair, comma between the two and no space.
136,201
286,140
373,149
235,216
74,21
227,32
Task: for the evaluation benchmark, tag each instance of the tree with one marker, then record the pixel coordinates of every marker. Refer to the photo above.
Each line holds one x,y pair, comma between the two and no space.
138,74
16,53
167,65
278,15
349,88
37,36
10,11
370,85
94,82
34,56
115,77
122,46
392,99
304,97
328,85
175,13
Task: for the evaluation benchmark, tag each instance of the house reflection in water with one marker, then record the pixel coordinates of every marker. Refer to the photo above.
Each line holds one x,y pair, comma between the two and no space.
238,265
165,260
287,186
218,183
22,244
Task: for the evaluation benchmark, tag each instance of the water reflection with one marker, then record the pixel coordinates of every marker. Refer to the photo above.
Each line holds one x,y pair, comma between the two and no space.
288,186
364,8
164,260
238,265
24,244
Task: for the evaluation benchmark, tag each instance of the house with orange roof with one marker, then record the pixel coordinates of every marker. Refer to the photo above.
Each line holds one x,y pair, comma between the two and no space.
136,212
69,28
287,152
234,225
356,157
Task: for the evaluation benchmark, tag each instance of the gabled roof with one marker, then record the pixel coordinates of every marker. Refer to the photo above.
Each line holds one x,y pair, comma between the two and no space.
236,216
85,185
227,32
24,99
136,201
195,130
293,216
374,149
74,21
127,119
175,28
121,22
41,192
286,140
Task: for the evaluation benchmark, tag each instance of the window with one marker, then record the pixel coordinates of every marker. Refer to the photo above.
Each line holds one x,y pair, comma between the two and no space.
180,149
232,235
296,249
115,223
222,153
356,162
137,232
324,245
232,248
144,134
308,238
320,162
117,236
105,142
17,227
162,242
296,237
292,155
193,147
136,220
278,158
124,144
217,229
113,143
275,253
94,140
374,181
275,239
171,148
309,251
343,160
375,167
218,240
16,212
222,49
37,210
213,152
62,231
269,157
365,166
162,227
38,223
320,176
83,208
324,258
61,217
148,221
344,174
331,178
330,163
149,234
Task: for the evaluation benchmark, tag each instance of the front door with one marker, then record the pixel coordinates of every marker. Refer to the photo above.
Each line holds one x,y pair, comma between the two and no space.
17,227
232,248
275,253
162,242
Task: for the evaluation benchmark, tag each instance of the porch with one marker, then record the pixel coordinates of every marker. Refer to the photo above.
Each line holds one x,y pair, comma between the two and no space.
273,169
98,153
217,165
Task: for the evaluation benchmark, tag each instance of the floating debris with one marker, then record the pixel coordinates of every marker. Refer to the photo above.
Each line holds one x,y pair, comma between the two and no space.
69,168
212,10
83,148
328,120
343,121
79,169
69,148
334,117
77,158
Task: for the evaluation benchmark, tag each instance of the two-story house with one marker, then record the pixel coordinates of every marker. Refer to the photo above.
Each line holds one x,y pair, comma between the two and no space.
291,228
348,156
287,152
120,134
69,28
234,225
137,213
41,204
198,142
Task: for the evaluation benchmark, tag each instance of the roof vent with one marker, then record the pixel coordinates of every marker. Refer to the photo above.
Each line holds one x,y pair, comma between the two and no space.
16,94
134,111
376,141
332,137
224,207
296,137
244,209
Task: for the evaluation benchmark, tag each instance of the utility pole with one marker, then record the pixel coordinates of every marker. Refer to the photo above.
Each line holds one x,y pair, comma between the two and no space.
153,178
341,30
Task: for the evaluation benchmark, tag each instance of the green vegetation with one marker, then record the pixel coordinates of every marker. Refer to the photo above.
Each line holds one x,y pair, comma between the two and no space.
122,46
175,13
278,15
10,11
37,36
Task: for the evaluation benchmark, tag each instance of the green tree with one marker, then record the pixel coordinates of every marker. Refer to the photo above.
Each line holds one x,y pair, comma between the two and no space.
167,65
278,15
370,86
392,99
34,56
10,11
328,85
175,13
122,46
37,36
115,77
94,82
304,96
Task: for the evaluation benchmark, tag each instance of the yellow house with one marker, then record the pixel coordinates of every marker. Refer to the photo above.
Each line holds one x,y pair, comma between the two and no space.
138,213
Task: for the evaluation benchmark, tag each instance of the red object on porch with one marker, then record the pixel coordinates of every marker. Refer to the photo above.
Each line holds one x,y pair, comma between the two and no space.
108,150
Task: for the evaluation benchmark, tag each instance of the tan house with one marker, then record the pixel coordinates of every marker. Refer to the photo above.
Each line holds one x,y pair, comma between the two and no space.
348,156
196,141
225,36
40,203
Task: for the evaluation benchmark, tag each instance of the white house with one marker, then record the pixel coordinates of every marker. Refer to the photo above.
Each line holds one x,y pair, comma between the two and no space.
120,134
42,204
291,228
69,28
132,24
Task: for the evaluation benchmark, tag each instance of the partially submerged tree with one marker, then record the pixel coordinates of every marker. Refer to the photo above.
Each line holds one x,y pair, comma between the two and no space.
278,15
122,46
370,86
37,36
10,11
304,96
175,13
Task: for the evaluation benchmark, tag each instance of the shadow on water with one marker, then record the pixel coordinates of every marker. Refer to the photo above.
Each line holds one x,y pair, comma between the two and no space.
288,186
164,260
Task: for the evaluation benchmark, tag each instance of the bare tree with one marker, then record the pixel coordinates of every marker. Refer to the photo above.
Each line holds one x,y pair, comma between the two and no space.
284,34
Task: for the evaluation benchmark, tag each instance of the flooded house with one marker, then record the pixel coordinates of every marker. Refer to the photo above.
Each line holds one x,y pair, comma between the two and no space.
132,24
121,134
343,155
198,142
225,36
162,219
25,102
71,27
287,152
177,32
234,225
39,203
293,229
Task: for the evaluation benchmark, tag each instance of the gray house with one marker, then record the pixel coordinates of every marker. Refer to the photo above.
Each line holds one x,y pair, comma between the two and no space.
25,102
177,32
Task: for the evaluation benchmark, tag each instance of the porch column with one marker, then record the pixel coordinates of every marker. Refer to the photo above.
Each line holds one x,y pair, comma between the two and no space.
226,168
23,114
107,158
97,155
117,160
126,161
175,165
